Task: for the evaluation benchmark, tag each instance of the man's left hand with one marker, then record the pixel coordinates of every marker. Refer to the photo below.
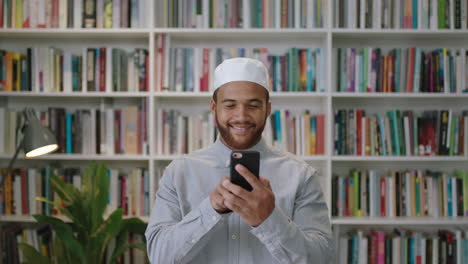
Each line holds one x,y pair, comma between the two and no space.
255,206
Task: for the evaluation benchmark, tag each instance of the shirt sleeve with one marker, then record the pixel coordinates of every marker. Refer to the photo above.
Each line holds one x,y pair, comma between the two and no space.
172,237
307,237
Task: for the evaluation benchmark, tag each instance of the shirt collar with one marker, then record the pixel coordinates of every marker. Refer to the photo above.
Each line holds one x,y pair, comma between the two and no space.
224,152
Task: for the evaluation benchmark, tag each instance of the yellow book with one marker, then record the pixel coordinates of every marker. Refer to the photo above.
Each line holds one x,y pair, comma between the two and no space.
313,136
19,14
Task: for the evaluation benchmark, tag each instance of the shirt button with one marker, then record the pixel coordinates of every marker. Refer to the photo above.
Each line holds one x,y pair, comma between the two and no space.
233,237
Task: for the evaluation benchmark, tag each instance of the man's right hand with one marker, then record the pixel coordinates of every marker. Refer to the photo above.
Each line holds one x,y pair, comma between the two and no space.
217,200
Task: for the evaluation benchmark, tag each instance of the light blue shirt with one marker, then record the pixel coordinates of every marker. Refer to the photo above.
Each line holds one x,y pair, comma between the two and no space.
184,227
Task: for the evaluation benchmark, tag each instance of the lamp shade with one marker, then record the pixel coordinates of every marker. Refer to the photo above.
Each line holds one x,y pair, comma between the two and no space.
38,140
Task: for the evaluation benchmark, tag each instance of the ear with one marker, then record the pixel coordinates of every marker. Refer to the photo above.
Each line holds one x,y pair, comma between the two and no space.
268,110
212,106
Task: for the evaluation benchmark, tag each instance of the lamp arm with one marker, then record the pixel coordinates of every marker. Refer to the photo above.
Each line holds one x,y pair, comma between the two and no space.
10,165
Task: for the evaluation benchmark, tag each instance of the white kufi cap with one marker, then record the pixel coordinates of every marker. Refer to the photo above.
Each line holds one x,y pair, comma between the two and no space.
241,69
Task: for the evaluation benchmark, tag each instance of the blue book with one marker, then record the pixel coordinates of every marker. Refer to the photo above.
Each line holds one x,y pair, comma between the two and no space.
449,197
355,249
109,175
310,67
68,133
415,14
394,121
278,125
412,250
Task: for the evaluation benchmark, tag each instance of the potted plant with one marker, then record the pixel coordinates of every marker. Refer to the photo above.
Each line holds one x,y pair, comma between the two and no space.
87,237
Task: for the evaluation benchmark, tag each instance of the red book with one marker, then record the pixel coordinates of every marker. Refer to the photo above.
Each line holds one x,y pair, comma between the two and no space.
320,135
382,196
359,115
24,191
1,13
117,123
204,80
380,248
102,70
410,72
373,247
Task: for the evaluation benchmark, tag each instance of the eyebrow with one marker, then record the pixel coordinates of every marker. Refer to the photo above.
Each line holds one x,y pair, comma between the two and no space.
255,100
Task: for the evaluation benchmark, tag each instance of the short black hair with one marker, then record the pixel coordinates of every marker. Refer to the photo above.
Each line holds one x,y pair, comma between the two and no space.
267,95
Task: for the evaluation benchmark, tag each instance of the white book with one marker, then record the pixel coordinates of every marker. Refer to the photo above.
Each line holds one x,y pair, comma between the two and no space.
459,253
143,13
159,131
362,14
197,65
420,14
297,13
63,11
284,137
41,13
454,197
33,5
357,72
435,250
113,191
18,205
352,13
32,190
76,180
452,14
166,64
84,83
458,71
99,13
297,130
37,68
166,132
77,14
103,128
372,195
108,69
434,17
407,136
446,71
67,72
180,134
116,13
310,13
396,248
246,13
444,199
110,144
423,250
409,206
391,197
397,14
92,140
430,197
377,14
362,240
131,73
302,135
343,247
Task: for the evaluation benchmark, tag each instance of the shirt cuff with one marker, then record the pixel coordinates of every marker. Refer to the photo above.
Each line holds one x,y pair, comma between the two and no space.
273,227
208,214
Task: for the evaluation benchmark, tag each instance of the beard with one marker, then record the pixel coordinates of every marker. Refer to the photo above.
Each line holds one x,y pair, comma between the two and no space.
248,141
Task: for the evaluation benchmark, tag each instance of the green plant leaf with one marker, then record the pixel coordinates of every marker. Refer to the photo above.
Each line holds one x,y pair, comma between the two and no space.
65,233
102,190
109,229
32,255
67,192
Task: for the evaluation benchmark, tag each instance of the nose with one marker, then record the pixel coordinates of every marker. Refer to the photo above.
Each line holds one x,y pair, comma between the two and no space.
242,112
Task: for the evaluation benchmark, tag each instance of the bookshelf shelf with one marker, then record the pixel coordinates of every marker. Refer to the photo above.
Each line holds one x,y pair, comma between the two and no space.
306,158
398,95
30,219
456,221
74,33
83,157
400,158
75,94
209,94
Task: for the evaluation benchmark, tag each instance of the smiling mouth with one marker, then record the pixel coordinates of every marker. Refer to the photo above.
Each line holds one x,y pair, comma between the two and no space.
241,129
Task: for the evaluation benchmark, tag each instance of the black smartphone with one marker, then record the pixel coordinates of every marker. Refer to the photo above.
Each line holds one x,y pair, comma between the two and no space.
251,160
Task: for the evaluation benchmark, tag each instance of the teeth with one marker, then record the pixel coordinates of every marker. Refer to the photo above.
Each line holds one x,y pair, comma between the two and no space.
240,128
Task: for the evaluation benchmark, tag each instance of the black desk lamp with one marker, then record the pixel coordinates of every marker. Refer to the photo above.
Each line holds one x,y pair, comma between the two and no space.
37,140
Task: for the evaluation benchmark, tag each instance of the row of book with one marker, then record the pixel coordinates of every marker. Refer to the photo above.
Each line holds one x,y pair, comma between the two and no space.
42,239
129,190
299,133
49,69
409,70
241,13
73,14
401,14
403,247
192,69
401,133
180,133
92,131
400,193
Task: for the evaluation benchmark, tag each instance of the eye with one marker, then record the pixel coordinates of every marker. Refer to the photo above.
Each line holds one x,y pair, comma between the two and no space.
254,106
229,105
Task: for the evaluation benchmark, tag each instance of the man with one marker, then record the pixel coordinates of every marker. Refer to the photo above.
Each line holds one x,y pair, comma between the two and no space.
199,216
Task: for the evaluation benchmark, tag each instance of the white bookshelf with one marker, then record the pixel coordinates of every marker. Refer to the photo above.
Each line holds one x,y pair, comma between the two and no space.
278,40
